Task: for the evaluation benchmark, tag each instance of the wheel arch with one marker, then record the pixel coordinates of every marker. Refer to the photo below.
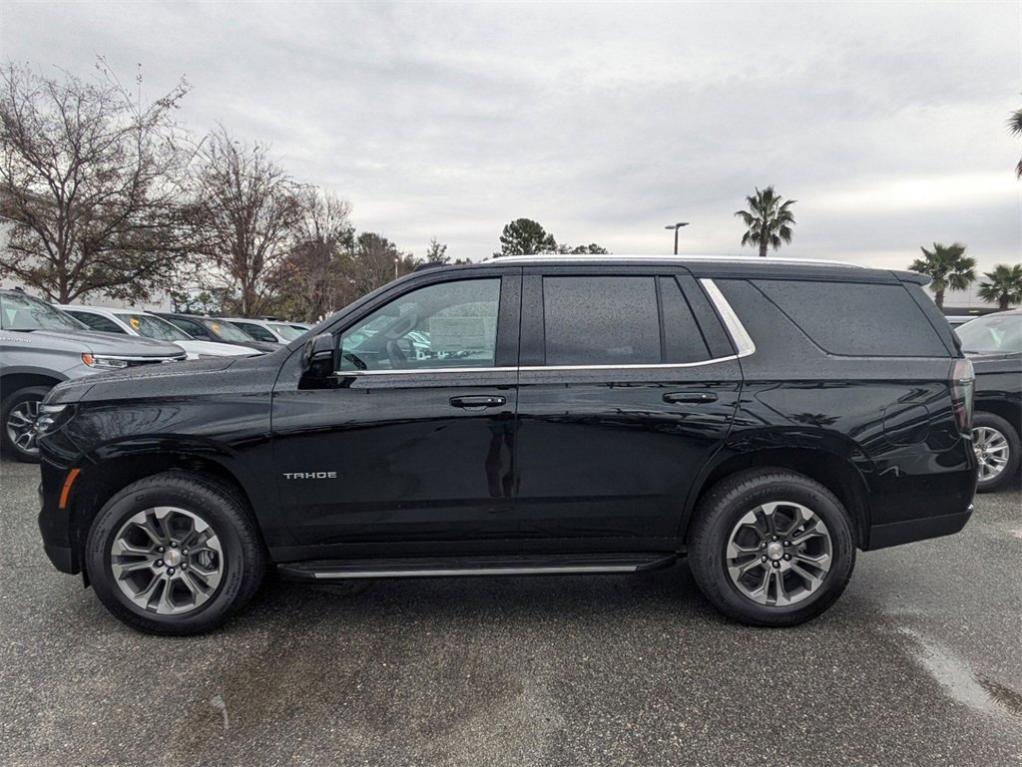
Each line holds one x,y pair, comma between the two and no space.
99,482
16,378
833,471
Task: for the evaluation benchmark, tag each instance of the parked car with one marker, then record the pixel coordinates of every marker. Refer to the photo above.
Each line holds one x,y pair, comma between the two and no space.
302,326
271,331
40,346
135,323
579,414
216,330
994,344
954,320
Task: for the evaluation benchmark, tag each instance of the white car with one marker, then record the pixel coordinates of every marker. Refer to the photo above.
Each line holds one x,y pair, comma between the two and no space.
135,323
274,331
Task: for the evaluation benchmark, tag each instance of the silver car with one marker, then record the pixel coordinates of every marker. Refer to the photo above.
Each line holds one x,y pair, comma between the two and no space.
40,346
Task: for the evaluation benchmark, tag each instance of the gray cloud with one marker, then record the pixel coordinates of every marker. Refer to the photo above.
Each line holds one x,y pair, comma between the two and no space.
886,122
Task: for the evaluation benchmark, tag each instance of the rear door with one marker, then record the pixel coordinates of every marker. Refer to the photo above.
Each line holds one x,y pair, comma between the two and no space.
628,385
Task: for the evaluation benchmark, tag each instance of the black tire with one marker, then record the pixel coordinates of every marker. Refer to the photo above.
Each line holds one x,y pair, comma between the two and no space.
721,509
10,449
244,557
1011,469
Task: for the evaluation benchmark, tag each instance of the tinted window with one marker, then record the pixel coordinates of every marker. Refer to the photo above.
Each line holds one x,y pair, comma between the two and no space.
97,322
258,332
856,318
446,325
601,321
683,341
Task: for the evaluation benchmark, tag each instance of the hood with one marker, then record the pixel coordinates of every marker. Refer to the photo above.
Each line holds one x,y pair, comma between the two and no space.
112,344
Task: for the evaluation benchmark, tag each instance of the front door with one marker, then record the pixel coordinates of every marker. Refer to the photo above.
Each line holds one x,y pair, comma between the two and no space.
415,442
628,385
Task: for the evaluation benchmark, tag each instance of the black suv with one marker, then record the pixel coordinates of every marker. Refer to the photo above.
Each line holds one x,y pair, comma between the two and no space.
530,415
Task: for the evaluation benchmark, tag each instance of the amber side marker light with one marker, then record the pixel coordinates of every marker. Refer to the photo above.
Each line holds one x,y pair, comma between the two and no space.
65,491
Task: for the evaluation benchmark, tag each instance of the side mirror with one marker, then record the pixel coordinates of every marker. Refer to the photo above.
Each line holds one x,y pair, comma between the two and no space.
319,358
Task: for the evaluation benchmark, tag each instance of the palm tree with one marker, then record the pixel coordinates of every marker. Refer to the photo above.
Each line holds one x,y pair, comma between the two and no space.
1015,124
769,220
948,268
1003,285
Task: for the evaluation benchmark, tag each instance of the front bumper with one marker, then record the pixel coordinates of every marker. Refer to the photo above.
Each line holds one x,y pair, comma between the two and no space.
55,523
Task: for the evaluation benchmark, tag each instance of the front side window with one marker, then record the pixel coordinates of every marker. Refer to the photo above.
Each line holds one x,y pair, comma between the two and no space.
97,322
21,312
601,321
446,325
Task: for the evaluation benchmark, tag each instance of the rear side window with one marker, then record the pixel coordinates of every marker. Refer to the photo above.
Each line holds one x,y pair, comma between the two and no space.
856,319
683,341
601,320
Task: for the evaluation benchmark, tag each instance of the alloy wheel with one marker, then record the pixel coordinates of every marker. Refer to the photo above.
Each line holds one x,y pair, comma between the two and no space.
992,452
21,426
779,553
167,560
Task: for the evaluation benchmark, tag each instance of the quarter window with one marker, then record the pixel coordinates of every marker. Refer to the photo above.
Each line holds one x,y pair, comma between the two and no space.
683,341
446,325
601,321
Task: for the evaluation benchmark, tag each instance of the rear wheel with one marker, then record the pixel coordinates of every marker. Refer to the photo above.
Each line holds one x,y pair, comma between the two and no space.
175,553
997,450
771,548
19,414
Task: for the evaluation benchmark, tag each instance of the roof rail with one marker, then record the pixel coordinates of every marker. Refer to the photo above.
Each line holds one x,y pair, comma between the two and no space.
582,258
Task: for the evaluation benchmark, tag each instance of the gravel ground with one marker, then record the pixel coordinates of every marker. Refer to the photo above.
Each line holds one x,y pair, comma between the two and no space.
918,663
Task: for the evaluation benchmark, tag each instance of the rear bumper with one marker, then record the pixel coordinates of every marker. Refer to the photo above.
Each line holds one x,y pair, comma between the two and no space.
896,533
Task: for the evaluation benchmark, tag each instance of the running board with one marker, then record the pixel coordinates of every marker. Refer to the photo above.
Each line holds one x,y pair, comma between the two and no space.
422,567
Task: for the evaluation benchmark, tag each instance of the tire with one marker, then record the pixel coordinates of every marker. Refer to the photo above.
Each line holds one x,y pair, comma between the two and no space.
725,509
195,603
997,436
20,403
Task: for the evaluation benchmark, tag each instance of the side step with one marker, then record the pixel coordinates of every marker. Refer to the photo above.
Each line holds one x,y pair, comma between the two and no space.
423,567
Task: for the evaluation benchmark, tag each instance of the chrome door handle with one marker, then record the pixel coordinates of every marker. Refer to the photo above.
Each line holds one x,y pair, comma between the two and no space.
690,396
478,402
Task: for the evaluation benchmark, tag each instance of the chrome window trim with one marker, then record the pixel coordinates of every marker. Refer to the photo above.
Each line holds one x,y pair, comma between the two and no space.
744,345
743,342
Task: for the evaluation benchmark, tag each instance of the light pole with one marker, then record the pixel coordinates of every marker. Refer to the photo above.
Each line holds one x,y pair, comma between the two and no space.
676,227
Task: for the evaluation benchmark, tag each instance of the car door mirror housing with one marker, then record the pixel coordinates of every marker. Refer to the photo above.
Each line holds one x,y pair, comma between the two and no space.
319,358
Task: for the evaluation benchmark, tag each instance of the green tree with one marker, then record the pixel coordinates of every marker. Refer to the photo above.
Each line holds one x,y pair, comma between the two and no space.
90,177
577,250
523,236
1015,124
1002,286
768,220
376,261
948,268
437,253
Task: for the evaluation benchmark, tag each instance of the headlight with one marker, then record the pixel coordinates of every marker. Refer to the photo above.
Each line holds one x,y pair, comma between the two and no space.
52,417
106,363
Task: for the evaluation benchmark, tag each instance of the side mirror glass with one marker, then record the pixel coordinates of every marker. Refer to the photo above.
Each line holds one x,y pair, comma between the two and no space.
319,358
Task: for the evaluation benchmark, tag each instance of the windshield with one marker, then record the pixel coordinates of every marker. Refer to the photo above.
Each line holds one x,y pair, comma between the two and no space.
993,333
20,312
153,327
287,332
226,330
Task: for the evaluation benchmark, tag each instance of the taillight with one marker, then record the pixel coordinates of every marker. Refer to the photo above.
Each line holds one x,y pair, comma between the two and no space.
963,386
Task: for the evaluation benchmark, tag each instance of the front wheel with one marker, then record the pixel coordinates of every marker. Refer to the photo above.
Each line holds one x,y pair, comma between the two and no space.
175,553
20,412
771,548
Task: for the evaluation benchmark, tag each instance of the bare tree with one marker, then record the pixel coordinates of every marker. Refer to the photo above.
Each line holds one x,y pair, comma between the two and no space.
314,279
246,216
89,183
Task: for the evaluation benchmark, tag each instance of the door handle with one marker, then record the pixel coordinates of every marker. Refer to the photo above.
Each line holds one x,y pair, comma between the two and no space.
478,402
690,396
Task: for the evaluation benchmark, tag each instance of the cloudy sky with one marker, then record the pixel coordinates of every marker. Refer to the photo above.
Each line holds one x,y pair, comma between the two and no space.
887,122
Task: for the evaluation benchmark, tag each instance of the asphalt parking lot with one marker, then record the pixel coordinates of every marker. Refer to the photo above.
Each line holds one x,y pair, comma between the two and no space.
919,663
